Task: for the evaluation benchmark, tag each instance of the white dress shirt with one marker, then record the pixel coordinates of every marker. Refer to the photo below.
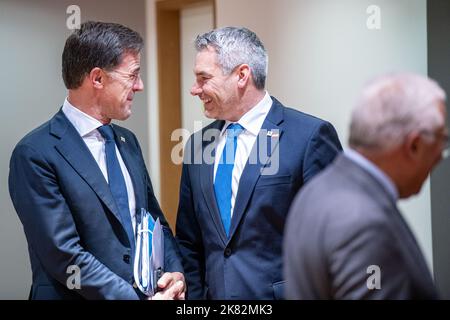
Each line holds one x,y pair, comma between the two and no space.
252,122
87,128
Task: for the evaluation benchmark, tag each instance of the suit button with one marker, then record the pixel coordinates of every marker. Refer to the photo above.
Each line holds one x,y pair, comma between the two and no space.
126,258
227,252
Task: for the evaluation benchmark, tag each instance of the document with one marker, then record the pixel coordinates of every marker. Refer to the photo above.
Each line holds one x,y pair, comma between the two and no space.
149,257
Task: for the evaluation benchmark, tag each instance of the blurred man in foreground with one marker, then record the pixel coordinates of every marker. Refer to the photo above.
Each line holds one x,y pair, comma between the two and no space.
345,237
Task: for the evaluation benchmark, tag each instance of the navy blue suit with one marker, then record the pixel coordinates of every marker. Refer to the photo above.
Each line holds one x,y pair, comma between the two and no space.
248,264
70,217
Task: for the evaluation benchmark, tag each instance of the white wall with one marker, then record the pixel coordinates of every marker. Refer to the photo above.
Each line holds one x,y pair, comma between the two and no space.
321,53
195,20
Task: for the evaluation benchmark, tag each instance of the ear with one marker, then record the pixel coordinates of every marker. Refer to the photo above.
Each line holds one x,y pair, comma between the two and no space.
413,146
243,73
97,78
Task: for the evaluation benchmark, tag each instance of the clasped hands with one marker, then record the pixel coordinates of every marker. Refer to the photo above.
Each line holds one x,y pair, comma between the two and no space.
172,287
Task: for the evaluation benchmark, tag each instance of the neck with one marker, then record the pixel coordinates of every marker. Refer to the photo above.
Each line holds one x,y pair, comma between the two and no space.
248,100
87,103
392,164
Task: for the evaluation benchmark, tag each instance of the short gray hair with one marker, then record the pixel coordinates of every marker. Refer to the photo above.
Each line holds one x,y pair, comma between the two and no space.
391,107
235,46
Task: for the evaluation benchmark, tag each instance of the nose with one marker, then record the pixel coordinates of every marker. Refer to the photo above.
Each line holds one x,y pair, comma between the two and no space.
138,85
195,90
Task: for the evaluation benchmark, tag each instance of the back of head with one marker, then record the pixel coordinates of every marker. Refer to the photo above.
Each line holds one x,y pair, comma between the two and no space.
96,44
235,46
392,106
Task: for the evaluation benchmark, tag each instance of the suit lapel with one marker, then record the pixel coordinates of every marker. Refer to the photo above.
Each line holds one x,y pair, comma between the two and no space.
399,228
268,139
410,248
402,231
408,241
207,181
77,154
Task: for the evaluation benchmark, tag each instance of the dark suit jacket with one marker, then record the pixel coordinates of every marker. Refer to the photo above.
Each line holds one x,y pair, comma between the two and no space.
70,217
340,224
248,264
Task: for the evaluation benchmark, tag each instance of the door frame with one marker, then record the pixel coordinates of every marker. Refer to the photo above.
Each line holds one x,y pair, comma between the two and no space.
168,14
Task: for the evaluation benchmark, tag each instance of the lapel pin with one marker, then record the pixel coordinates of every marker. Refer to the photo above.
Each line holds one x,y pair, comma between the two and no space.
122,139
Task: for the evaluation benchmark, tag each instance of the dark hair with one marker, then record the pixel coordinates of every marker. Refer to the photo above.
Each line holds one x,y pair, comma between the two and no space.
96,44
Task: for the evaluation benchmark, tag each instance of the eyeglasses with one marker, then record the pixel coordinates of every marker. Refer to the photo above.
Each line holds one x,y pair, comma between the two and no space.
129,77
444,139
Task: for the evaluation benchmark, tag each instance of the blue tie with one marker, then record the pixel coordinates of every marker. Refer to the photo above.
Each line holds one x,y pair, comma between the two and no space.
222,183
116,180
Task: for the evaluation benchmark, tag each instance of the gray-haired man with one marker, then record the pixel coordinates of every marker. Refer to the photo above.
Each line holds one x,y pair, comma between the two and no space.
232,208
345,237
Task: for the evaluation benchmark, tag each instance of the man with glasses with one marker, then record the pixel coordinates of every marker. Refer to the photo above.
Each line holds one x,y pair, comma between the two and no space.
78,181
345,237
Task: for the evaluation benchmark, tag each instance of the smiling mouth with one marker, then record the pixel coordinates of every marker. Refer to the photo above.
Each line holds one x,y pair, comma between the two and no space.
206,100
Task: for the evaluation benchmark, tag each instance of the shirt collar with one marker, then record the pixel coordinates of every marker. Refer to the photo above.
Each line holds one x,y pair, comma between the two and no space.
82,122
373,170
253,119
